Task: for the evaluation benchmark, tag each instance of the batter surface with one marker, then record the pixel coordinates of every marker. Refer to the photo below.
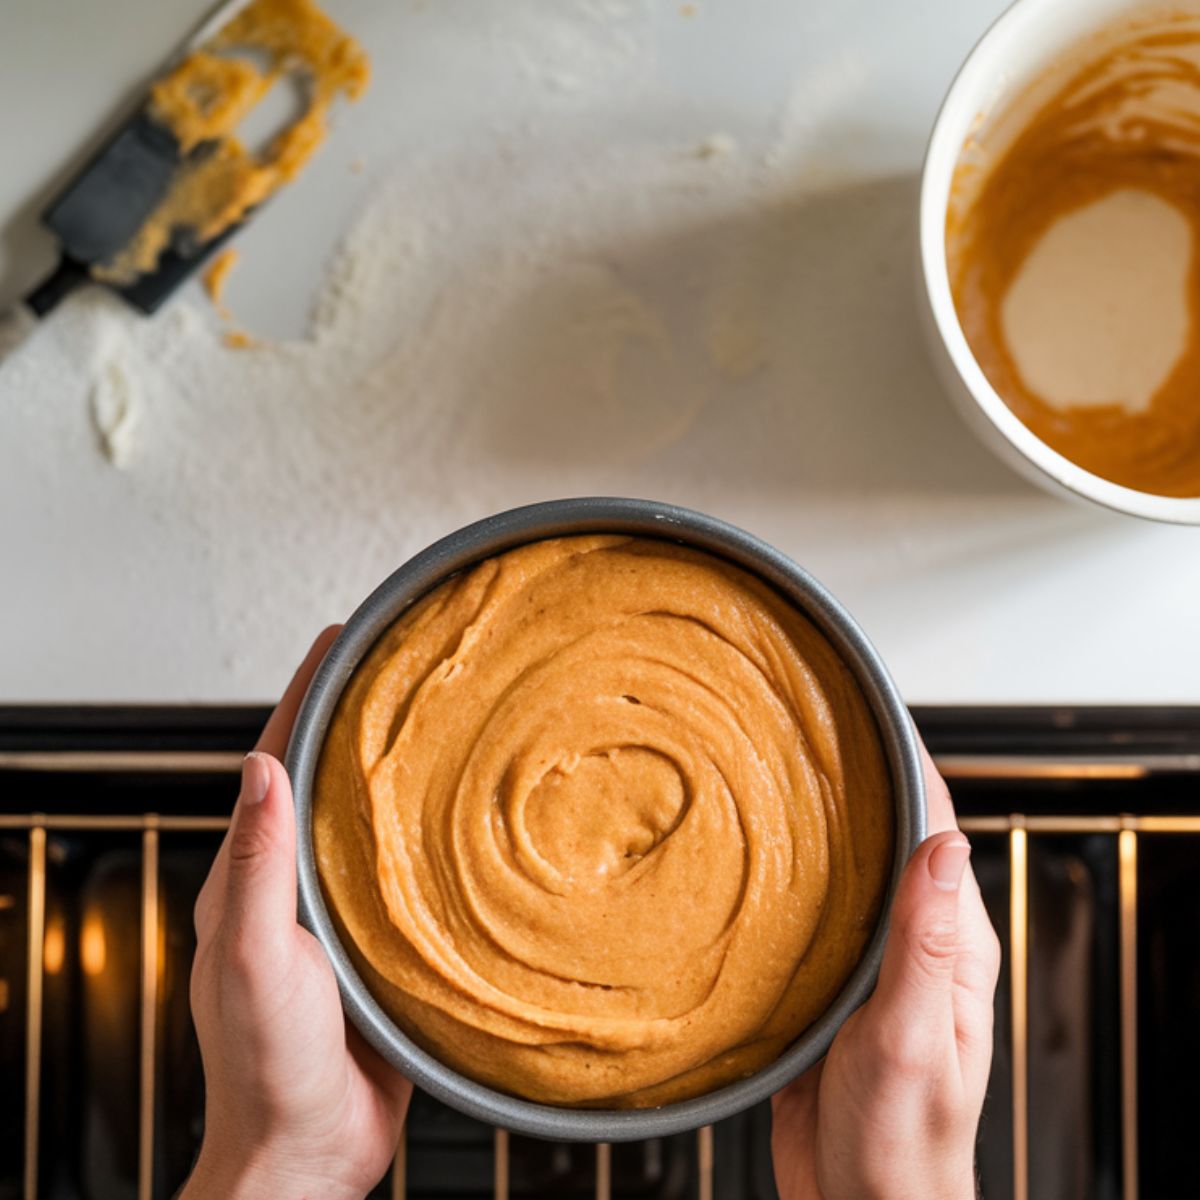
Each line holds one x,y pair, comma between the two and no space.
1125,122
603,821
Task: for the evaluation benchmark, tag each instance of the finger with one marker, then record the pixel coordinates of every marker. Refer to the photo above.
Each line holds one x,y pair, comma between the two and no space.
916,979
259,902
273,741
977,969
937,795
211,902
278,729
978,965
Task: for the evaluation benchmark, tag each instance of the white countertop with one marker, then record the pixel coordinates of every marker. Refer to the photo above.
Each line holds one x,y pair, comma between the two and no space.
571,286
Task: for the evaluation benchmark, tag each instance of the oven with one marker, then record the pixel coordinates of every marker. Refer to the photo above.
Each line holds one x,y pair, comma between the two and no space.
1084,823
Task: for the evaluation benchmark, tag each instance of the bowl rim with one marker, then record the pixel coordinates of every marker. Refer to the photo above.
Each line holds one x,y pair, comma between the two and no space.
484,539
997,55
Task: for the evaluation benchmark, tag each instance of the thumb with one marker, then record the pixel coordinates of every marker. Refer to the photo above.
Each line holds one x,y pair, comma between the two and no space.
923,941
260,897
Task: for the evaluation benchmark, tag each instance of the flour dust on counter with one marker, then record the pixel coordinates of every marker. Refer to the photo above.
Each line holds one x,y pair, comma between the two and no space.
456,361
576,47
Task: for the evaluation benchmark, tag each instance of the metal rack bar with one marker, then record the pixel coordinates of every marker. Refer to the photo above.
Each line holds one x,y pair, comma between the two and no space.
33,1018
1072,824
500,1169
953,766
1127,888
603,1171
973,766
704,1154
84,822
182,762
149,1007
1162,824
1018,856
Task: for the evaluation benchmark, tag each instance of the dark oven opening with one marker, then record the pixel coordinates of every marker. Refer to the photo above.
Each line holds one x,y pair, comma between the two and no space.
1083,823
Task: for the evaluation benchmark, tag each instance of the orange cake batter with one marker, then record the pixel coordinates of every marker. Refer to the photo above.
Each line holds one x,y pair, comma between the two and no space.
603,821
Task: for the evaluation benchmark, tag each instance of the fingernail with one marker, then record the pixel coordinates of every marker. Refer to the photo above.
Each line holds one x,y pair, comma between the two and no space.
256,778
947,863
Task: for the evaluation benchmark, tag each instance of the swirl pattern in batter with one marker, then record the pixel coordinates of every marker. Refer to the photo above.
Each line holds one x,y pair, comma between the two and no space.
603,821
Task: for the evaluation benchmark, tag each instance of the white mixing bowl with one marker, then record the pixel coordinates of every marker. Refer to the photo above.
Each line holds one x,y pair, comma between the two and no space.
1027,38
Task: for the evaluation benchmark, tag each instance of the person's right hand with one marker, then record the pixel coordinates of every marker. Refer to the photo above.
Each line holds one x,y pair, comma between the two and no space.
892,1112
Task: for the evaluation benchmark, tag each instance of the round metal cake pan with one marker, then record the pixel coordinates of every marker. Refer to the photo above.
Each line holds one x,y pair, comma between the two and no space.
492,536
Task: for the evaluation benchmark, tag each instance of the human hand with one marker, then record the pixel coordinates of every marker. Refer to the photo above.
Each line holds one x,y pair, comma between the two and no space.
296,1103
892,1112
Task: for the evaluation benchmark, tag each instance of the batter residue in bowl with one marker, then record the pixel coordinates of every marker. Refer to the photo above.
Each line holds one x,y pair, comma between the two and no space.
1073,262
603,821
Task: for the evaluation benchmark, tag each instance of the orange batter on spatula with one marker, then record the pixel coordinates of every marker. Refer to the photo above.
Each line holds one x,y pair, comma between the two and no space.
209,94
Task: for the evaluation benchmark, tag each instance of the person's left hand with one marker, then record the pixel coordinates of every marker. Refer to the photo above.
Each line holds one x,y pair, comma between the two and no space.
297,1105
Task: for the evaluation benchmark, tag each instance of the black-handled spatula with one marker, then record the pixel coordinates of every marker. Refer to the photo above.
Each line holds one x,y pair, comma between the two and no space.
106,207
103,207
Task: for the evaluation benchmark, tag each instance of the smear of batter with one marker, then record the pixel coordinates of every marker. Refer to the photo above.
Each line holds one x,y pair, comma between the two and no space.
216,276
1072,256
204,100
604,821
